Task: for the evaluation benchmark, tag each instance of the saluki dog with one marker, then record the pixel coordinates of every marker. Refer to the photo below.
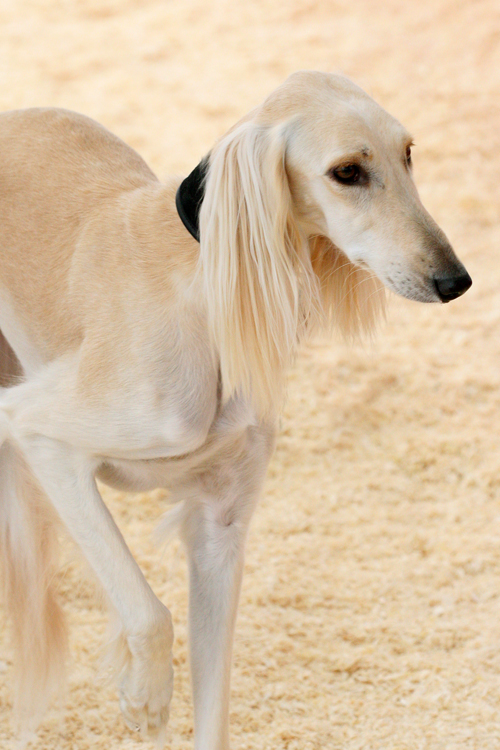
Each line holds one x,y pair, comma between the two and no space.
146,332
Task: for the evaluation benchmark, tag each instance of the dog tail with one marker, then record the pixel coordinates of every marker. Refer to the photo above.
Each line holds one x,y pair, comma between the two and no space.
28,548
28,556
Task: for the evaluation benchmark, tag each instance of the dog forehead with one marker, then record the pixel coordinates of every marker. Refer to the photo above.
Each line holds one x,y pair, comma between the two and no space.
311,91
324,108
347,123
343,131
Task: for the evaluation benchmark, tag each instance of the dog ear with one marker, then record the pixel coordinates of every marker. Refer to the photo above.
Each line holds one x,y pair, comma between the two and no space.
255,264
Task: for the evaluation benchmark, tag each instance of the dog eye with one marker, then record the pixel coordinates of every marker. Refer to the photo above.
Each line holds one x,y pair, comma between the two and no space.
408,155
347,174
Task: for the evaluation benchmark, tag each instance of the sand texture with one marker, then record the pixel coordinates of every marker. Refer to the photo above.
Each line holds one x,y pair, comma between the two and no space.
370,612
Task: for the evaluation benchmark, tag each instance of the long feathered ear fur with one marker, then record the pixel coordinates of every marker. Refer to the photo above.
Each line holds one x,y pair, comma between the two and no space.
352,298
263,287
253,256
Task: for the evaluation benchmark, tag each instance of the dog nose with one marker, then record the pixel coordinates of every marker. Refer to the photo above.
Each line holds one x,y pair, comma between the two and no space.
451,287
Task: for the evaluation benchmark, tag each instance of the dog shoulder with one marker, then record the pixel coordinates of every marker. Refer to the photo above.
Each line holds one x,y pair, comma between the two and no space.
69,149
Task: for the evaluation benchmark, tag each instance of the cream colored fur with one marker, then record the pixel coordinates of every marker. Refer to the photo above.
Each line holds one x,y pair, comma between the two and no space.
131,353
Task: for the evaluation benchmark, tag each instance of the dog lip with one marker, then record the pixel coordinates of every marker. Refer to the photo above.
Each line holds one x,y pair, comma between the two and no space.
450,287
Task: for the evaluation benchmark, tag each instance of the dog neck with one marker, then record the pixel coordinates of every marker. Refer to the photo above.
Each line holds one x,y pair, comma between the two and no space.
189,198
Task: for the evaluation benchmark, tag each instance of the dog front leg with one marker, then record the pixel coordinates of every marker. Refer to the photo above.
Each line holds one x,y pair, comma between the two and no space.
144,648
215,570
217,513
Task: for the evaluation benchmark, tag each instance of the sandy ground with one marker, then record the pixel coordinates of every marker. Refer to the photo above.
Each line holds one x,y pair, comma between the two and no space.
370,614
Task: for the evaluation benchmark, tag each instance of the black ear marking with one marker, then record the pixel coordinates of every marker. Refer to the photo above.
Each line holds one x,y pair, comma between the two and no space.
189,198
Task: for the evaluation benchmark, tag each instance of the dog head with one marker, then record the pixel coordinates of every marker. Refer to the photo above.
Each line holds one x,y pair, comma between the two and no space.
309,210
350,172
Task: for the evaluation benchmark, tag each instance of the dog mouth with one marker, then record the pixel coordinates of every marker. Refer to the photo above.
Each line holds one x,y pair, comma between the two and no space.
421,290
438,288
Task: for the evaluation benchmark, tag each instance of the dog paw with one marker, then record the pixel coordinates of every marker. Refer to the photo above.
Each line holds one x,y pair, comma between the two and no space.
146,681
145,707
